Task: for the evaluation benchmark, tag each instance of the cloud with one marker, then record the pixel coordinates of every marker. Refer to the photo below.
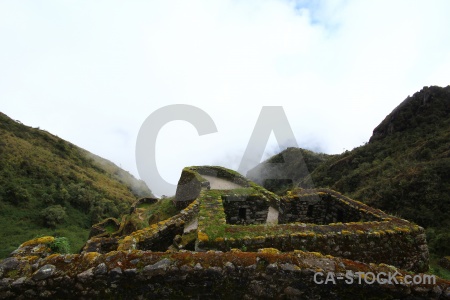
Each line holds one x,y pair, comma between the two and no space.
91,72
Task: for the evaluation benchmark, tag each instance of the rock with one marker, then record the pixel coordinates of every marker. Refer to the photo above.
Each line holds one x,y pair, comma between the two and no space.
229,266
158,268
44,272
185,268
198,267
86,275
9,263
272,268
116,272
35,266
19,282
5,282
289,267
292,293
101,269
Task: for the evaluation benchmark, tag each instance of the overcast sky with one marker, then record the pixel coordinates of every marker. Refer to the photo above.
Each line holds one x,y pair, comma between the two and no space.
91,72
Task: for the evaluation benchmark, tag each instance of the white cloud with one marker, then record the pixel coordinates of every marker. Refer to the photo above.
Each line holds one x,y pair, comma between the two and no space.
92,71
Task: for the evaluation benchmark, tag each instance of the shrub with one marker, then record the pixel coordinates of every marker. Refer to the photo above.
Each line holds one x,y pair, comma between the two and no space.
60,245
53,215
16,194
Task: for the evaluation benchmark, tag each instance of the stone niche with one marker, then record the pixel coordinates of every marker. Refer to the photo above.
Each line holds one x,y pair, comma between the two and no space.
245,209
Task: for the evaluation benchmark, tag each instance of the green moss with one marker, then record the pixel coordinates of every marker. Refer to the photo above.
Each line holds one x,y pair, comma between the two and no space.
12,274
161,210
110,228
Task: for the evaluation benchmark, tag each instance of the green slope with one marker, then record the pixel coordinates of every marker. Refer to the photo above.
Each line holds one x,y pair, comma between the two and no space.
404,169
50,186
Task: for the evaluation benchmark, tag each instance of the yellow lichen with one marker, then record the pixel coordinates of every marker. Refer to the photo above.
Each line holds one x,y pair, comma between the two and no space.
269,251
202,237
127,243
90,256
346,232
401,229
30,259
40,240
300,234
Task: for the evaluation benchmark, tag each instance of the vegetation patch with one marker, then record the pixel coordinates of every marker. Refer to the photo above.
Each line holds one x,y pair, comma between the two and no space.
60,245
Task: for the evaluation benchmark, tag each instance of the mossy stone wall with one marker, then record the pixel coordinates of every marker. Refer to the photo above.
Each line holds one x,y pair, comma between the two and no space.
320,208
212,275
245,209
405,248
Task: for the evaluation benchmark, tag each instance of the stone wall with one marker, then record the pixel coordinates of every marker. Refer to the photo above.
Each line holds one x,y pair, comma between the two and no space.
245,209
404,247
389,240
100,229
321,208
188,188
185,275
156,237
145,200
101,244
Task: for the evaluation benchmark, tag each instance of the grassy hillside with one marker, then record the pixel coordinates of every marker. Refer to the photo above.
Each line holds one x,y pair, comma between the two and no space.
50,186
404,169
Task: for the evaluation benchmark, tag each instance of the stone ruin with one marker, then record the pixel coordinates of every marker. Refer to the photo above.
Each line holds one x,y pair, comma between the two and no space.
231,239
222,210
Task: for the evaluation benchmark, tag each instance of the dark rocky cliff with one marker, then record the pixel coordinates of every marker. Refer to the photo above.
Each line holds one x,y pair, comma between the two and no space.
426,108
